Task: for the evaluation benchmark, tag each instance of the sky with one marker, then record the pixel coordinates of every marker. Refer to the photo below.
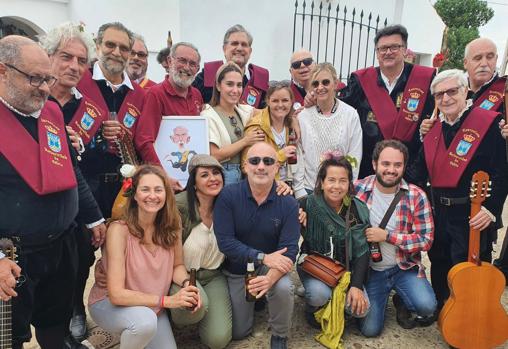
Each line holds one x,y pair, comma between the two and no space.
497,29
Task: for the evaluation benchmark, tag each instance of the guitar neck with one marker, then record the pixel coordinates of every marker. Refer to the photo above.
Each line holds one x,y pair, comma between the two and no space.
473,255
127,150
5,325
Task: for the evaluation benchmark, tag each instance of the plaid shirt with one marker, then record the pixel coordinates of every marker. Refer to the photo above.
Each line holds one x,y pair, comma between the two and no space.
415,226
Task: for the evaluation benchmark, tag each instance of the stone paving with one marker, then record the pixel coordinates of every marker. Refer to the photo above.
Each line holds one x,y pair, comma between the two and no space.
302,335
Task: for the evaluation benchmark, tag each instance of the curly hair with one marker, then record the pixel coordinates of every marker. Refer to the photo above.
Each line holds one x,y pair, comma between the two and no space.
167,223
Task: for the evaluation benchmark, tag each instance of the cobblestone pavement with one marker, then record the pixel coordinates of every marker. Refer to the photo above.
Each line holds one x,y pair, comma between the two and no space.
302,335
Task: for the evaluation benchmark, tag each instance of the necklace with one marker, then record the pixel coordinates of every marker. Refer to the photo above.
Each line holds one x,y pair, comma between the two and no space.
334,108
34,115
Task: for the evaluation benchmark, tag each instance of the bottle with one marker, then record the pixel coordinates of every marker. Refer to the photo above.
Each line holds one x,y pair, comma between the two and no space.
292,141
251,274
169,40
375,252
192,282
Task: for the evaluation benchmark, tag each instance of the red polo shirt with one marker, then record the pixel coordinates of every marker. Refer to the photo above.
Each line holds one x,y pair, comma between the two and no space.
162,100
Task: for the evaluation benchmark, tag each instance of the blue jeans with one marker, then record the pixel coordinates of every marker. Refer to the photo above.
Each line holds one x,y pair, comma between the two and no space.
317,294
232,173
416,293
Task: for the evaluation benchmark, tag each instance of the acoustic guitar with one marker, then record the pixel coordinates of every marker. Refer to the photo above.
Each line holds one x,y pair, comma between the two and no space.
473,317
8,249
128,155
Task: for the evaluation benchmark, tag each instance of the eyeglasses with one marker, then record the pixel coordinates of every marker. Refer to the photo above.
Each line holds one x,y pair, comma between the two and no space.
139,54
255,160
306,62
113,45
450,92
392,48
244,44
234,123
35,80
185,61
324,82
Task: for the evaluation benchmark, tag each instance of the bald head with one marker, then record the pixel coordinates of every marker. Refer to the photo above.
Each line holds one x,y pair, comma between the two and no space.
262,148
261,166
22,60
480,60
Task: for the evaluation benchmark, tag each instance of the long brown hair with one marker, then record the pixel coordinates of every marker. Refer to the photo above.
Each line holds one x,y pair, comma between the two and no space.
167,221
221,73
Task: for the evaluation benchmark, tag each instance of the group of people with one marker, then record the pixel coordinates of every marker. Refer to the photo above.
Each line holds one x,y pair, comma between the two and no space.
386,159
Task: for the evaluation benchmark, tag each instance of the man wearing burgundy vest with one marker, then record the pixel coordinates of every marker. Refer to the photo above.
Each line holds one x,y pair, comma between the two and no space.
42,190
174,96
391,99
108,85
138,63
70,50
237,47
464,140
300,68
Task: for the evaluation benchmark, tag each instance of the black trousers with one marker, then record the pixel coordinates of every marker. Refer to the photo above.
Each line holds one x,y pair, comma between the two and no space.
451,245
86,258
45,297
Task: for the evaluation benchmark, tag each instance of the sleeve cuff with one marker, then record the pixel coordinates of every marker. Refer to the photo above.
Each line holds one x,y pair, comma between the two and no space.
94,224
491,216
300,193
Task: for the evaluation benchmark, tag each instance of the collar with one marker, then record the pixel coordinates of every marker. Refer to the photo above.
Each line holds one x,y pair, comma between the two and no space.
494,76
34,115
140,80
171,90
369,182
386,82
442,118
271,195
99,75
247,71
76,93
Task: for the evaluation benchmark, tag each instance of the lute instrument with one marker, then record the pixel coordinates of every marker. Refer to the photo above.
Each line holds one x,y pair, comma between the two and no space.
473,316
8,249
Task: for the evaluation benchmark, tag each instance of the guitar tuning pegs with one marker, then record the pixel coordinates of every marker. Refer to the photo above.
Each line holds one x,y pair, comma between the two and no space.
488,195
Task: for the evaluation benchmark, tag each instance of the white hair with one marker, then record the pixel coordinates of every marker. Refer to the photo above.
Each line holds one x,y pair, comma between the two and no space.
457,74
52,40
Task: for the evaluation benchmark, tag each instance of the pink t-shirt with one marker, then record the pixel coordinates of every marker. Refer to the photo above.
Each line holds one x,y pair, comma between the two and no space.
145,271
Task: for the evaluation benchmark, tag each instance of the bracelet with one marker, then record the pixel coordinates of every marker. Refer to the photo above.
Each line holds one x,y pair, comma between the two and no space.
161,303
184,281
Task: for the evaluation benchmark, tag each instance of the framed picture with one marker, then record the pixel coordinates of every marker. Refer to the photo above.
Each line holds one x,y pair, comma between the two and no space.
179,139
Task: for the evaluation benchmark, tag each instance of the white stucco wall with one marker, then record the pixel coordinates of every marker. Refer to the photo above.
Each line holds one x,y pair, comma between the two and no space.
203,23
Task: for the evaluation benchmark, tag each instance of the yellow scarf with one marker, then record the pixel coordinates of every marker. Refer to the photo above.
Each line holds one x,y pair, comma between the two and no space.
331,316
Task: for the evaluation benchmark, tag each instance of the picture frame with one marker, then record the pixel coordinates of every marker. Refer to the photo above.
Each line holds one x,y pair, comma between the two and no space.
178,140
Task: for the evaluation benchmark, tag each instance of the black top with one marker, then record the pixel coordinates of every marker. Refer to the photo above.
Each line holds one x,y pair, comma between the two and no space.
23,212
474,96
354,95
490,157
206,92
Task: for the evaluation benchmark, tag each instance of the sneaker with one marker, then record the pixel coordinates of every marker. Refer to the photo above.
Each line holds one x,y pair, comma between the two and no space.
277,342
403,314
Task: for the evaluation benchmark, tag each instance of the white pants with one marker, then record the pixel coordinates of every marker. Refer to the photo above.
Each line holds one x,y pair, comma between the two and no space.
138,326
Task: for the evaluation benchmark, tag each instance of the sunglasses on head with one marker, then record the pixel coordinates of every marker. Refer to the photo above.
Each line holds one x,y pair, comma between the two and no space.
306,62
324,82
234,123
267,161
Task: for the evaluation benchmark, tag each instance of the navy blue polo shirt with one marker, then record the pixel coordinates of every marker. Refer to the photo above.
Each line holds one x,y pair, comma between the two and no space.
243,228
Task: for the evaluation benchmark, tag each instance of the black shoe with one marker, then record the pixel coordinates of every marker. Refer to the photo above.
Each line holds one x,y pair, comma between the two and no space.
77,327
426,321
260,304
277,342
71,343
403,314
311,320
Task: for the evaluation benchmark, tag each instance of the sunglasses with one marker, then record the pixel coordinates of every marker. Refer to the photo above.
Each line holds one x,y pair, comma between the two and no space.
234,123
267,161
450,92
324,82
306,62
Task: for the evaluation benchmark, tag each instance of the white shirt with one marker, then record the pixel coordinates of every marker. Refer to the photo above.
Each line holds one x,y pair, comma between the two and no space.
339,131
391,86
200,250
99,75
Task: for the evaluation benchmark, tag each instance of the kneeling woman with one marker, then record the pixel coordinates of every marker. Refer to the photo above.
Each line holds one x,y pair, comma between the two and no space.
327,233
143,257
200,251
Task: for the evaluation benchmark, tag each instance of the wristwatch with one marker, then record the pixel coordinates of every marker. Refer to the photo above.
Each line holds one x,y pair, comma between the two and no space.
260,256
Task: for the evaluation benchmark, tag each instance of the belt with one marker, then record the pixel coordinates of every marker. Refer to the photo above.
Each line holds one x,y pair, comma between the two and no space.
109,177
35,242
453,201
